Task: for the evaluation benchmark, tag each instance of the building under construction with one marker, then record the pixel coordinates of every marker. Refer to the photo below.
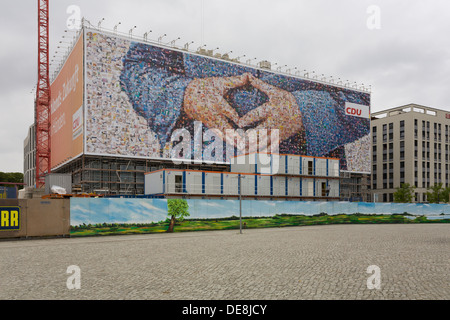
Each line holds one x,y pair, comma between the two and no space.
123,106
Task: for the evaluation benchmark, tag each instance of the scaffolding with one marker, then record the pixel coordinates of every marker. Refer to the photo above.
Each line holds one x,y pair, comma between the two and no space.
111,176
355,187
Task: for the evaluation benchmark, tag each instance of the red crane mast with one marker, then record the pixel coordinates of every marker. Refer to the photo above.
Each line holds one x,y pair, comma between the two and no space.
43,97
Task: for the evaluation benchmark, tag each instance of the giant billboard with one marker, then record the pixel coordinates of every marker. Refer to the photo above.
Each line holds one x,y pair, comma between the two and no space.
67,109
141,99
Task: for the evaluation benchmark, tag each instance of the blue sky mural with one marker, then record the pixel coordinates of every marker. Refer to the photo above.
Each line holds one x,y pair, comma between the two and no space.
127,211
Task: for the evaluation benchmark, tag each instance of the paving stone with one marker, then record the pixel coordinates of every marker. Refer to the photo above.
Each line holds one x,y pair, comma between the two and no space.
296,263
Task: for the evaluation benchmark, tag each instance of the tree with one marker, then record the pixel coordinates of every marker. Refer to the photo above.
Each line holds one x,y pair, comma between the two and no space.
177,209
14,177
446,195
404,194
438,194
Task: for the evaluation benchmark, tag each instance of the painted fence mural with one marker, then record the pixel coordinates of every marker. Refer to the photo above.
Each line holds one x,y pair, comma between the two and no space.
135,210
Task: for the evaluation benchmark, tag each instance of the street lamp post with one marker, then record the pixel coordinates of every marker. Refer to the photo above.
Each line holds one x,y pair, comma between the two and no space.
172,43
160,38
239,58
240,205
187,44
100,23
115,27
131,31
146,35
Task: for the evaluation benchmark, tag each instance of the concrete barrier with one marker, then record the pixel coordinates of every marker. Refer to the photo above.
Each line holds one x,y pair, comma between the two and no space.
39,218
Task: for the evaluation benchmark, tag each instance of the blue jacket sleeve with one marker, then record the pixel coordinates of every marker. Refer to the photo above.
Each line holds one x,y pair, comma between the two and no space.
157,95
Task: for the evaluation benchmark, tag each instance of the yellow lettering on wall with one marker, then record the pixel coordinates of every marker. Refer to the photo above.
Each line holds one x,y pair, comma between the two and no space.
5,219
14,218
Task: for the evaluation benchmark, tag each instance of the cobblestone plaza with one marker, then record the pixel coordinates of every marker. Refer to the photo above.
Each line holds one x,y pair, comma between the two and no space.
295,263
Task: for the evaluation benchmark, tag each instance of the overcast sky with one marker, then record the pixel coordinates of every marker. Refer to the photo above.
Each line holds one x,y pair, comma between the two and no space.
403,53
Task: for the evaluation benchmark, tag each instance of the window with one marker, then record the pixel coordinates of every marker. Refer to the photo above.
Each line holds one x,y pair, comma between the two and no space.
325,190
402,150
402,129
374,135
178,183
415,129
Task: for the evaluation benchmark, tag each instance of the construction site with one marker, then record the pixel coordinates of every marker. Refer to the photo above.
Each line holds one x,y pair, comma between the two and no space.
119,109
84,109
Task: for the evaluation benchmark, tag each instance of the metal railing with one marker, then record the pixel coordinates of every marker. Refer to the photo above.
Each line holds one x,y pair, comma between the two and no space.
249,189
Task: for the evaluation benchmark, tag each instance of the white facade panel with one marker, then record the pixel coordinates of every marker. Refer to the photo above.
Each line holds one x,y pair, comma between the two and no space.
321,188
321,167
282,165
230,184
333,168
308,188
193,182
264,185
307,166
294,186
248,185
174,182
212,183
279,186
265,162
293,165
244,164
154,183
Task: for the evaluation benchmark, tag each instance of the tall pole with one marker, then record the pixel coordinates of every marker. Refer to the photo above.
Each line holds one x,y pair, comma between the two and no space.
43,97
240,205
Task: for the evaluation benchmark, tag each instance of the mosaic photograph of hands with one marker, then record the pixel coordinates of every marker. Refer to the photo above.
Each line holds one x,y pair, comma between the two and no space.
171,89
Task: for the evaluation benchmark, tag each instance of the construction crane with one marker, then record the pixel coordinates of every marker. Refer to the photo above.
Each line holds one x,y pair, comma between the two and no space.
43,97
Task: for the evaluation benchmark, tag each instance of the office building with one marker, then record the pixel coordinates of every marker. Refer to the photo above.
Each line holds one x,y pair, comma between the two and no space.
410,144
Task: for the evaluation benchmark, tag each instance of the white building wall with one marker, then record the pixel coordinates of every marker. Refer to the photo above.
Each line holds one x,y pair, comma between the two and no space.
244,164
307,166
333,168
248,185
293,165
212,183
294,186
194,182
321,167
154,183
230,184
264,185
279,186
307,187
